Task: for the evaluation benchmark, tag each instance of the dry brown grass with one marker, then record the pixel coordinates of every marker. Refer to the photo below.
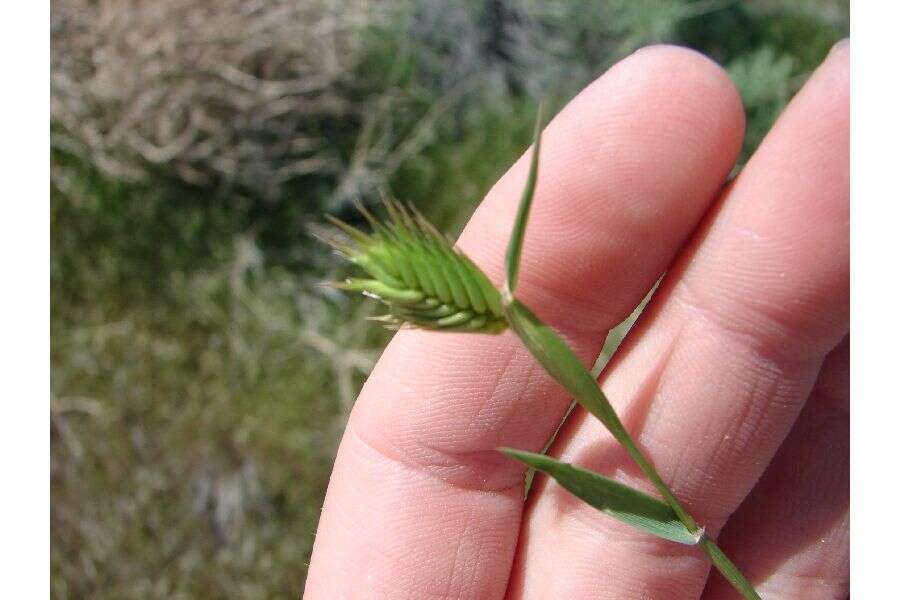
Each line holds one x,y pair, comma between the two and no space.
215,90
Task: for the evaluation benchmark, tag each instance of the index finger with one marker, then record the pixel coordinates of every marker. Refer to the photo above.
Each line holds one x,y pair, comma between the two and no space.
420,504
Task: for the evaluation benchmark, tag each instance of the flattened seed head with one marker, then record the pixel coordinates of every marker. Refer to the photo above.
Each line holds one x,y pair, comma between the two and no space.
418,274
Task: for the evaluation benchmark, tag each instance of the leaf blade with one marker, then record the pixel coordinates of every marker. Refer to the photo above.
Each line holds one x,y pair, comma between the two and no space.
564,365
561,362
514,250
610,497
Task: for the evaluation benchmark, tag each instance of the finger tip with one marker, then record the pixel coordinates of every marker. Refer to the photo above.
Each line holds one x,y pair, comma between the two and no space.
688,95
838,62
692,76
636,157
841,49
838,67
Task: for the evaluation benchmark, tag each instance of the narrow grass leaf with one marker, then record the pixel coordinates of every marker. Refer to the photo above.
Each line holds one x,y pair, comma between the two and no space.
561,362
611,497
425,282
514,250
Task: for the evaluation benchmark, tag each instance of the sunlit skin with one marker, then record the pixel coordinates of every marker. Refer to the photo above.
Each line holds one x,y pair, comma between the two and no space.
734,381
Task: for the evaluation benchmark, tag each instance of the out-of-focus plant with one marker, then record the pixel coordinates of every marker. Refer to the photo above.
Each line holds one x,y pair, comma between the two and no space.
192,434
221,92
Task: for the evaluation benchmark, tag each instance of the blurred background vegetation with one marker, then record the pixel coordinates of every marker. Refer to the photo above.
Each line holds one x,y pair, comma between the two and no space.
200,382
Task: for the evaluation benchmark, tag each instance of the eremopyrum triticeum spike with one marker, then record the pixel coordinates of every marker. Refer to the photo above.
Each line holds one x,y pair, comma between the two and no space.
418,274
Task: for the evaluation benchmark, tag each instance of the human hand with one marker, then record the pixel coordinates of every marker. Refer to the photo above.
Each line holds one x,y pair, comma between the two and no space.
734,381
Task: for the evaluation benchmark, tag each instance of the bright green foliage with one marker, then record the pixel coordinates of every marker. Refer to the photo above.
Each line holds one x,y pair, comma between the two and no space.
418,274
611,497
561,362
514,250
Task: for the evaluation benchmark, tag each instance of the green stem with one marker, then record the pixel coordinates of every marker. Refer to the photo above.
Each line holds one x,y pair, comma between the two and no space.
562,363
728,569
622,436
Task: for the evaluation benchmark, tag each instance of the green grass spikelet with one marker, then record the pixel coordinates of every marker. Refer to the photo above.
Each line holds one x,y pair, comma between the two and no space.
417,273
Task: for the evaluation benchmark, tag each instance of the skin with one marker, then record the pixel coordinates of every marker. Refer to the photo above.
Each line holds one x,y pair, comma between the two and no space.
734,381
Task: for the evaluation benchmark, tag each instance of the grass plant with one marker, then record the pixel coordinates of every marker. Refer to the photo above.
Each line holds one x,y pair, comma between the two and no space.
200,384
425,282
